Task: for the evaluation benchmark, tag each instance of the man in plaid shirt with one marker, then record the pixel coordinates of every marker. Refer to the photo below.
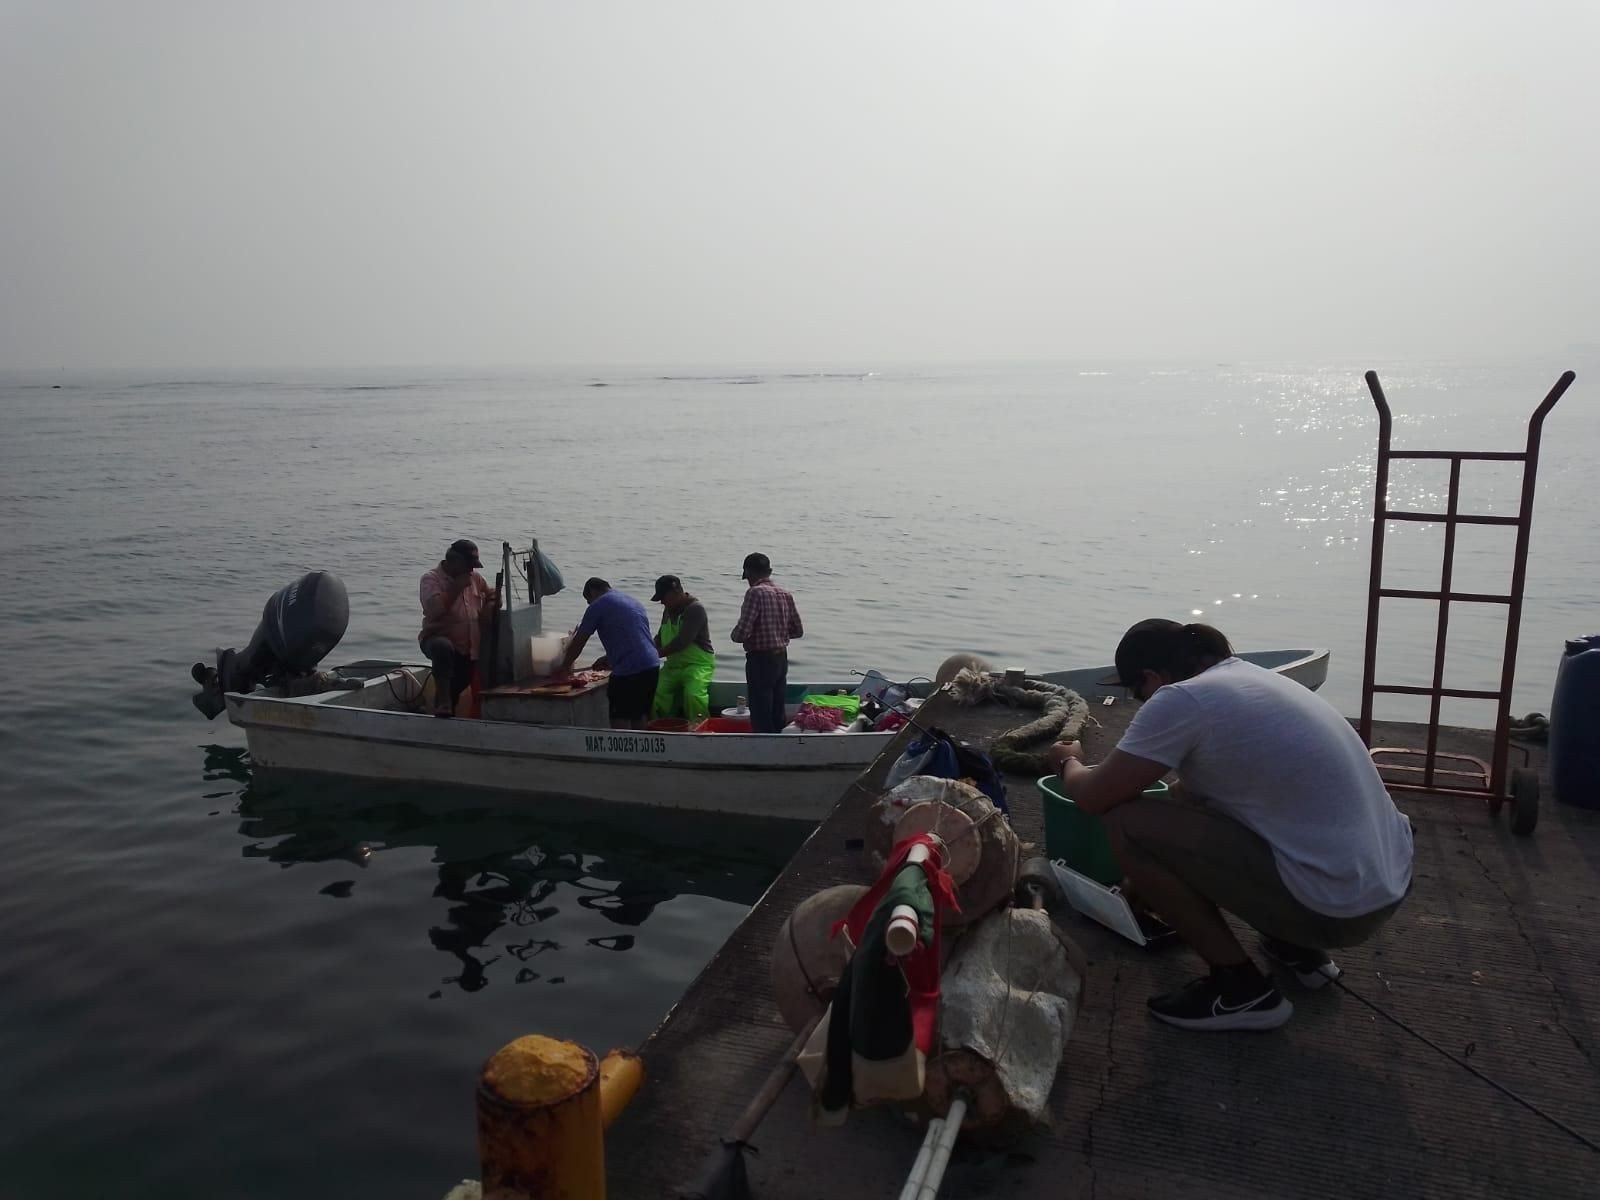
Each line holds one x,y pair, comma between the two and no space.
768,621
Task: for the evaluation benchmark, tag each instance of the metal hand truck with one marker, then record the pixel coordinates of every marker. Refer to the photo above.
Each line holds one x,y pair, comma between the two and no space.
1470,777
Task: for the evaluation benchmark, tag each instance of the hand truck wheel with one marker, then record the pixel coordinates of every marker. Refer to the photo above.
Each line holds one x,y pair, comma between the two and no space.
1038,879
1524,801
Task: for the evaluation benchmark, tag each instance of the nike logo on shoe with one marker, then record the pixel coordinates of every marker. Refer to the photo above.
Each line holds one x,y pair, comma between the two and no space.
1219,1009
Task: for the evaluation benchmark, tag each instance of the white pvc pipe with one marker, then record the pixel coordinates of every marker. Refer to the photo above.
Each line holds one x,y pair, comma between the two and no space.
919,1169
941,1150
904,924
901,936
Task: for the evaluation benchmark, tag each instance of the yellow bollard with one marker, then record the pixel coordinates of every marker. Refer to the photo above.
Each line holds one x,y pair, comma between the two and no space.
621,1073
542,1105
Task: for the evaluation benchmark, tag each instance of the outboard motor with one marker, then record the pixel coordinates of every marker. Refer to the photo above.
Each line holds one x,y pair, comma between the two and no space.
300,625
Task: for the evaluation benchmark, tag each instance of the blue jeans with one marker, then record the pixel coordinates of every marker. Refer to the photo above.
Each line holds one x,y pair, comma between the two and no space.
766,675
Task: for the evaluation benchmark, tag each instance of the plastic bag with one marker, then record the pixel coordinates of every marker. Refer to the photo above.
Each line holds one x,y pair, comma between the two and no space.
543,575
977,766
940,755
925,756
875,685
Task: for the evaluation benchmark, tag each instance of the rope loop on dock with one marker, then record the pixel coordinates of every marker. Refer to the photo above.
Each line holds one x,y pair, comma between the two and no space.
1063,715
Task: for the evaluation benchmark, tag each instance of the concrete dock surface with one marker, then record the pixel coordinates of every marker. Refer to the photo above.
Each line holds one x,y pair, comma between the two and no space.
1493,957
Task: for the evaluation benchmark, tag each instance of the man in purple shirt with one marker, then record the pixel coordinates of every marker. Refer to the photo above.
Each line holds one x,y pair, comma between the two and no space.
624,629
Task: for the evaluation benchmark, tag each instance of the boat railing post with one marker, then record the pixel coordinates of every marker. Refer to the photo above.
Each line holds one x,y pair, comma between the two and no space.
505,567
503,664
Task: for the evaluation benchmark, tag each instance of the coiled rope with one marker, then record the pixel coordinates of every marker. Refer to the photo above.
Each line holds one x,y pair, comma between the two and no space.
1063,715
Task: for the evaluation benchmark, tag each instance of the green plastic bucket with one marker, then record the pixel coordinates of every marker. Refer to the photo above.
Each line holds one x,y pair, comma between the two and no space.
1077,838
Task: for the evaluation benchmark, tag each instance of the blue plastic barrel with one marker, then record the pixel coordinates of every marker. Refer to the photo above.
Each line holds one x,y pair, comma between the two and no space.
1575,725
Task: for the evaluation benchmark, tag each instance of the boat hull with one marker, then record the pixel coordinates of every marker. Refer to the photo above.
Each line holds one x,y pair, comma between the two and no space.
789,776
1308,668
796,777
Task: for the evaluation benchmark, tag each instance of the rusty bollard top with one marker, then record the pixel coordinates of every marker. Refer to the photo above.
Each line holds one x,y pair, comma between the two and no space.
535,1072
539,1132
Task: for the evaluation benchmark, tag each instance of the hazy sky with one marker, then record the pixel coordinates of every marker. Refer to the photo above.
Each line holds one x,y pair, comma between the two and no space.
206,182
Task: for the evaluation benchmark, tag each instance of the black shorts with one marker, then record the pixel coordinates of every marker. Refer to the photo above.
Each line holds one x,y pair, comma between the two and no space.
632,695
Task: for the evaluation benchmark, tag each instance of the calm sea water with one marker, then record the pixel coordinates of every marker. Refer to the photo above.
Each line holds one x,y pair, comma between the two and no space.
209,986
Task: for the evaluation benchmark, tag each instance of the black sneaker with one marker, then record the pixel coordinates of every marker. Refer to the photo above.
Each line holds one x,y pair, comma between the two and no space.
1202,1005
1312,967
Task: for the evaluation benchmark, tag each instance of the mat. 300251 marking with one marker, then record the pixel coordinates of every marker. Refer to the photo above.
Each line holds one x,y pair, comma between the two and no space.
614,743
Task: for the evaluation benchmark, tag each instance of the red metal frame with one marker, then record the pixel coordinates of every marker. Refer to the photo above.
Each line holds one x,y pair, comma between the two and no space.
1488,779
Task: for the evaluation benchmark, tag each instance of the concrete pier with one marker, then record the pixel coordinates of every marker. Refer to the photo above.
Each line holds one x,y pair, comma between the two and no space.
1495,957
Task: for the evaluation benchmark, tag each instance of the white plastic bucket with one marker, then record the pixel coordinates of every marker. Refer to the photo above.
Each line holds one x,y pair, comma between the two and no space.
545,651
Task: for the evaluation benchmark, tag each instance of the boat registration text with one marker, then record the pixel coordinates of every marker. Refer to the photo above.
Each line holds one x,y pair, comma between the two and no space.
631,743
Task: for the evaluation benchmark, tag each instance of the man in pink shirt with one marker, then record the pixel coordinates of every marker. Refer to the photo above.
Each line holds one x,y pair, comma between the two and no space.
768,622
455,605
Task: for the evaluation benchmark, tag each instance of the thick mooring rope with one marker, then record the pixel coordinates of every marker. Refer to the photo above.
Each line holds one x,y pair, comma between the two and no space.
1063,714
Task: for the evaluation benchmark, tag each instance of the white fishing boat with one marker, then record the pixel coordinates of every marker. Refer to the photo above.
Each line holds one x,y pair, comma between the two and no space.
380,731
540,737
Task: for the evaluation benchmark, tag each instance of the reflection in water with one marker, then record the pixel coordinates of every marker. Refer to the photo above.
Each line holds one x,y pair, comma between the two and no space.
505,864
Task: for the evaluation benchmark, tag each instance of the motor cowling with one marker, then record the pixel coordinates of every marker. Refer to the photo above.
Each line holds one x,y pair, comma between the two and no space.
300,626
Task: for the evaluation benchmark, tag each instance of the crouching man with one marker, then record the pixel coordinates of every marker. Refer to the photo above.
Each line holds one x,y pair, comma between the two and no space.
1280,819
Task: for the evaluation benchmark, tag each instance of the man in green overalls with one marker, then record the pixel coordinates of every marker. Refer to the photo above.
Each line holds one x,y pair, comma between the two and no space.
684,689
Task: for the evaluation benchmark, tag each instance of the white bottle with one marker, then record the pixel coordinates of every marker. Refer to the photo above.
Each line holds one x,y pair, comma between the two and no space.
740,709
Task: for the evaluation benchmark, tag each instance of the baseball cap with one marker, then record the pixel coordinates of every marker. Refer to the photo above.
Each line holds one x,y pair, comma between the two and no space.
666,585
755,566
466,550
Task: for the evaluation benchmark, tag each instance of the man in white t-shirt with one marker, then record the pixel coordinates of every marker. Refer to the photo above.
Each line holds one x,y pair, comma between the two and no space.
1279,818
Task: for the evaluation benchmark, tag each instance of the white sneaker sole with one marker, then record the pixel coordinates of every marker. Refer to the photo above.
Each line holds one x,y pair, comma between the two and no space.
1327,973
1256,1018
1320,978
